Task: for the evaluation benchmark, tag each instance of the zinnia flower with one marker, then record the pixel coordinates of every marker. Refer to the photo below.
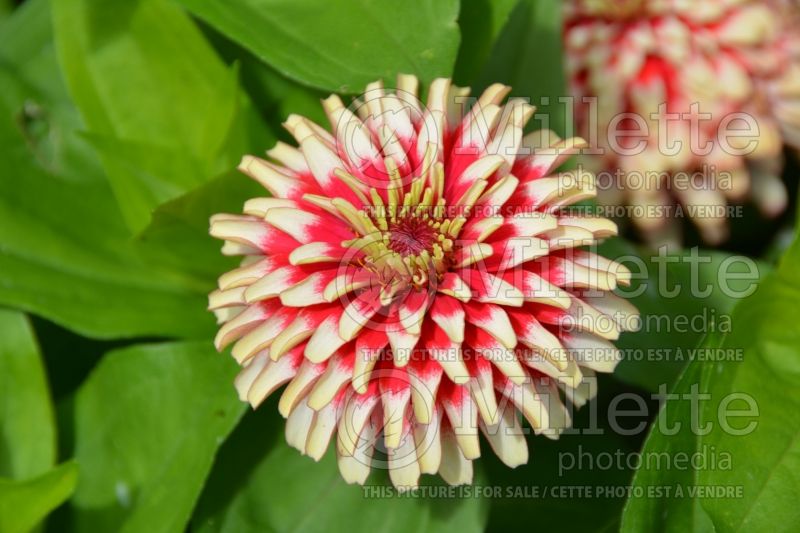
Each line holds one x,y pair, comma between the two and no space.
726,57
413,281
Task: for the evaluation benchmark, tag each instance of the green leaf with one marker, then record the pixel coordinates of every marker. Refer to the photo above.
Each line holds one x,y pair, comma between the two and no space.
78,267
66,251
273,94
765,330
34,94
528,55
148,423
181,225
341,45
27,427
261,484
681,297
6,7
753,405
162,108
481,22
23,504
671,512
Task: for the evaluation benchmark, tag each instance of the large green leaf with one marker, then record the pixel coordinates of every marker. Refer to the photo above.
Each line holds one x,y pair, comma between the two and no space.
653,507
528,55
66,256
148,423
180,226
27,432
6,7
681,297
162,108
275,95
341,45
35,97
66,252
23,504
757,380
261,484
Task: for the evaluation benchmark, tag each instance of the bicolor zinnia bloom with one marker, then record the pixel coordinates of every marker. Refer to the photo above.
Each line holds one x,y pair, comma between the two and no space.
726,57
414,281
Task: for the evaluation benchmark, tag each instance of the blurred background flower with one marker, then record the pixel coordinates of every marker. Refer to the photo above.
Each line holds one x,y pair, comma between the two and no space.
667,72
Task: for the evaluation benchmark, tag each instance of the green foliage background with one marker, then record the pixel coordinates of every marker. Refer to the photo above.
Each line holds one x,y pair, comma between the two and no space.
120,123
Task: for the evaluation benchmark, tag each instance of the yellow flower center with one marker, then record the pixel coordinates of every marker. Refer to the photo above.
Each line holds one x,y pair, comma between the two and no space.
409,238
